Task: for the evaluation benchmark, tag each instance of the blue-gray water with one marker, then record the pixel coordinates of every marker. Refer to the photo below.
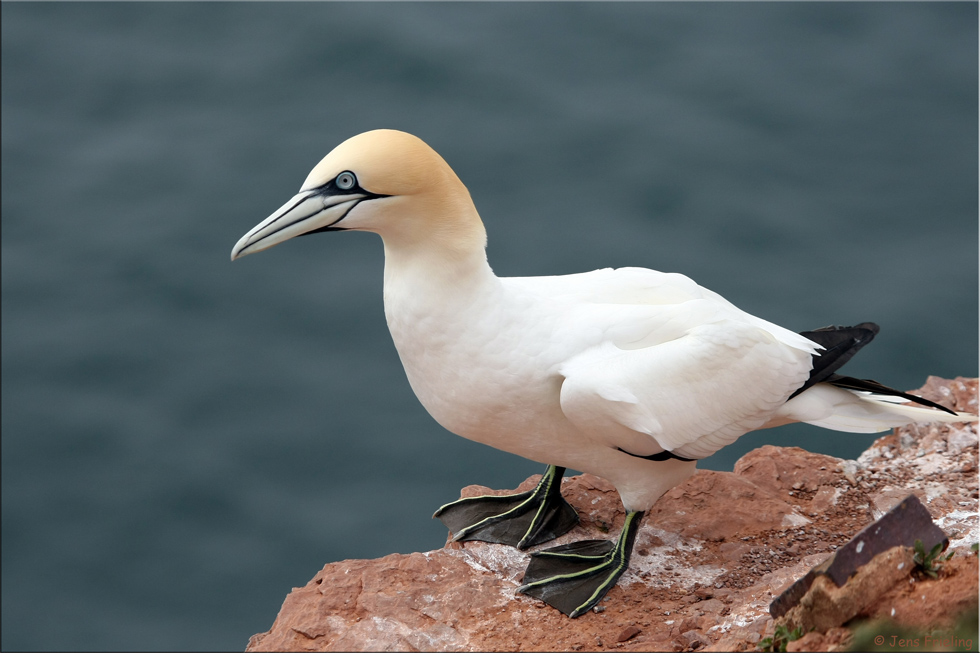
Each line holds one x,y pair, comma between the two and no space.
185,439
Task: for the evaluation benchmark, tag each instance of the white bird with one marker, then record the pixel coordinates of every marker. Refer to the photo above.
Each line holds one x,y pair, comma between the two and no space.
629,374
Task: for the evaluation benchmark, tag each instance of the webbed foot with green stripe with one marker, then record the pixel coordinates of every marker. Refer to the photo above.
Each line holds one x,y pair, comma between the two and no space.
522,520
574,577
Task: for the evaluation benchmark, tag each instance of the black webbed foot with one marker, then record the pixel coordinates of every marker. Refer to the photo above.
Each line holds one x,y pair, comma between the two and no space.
574,577
522,520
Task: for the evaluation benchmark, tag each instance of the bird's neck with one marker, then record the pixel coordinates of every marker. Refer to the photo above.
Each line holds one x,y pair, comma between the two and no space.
418,275
437,250
429,300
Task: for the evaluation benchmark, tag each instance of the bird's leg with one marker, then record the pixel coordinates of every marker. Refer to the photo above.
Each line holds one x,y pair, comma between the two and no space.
574,577
522,520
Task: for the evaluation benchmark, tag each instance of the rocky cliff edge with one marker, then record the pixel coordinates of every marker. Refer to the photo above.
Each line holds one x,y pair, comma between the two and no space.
709,559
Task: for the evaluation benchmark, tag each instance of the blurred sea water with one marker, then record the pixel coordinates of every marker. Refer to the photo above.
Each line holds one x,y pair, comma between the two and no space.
185,439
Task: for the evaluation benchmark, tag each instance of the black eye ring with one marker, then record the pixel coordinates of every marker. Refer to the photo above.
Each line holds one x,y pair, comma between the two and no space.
346,180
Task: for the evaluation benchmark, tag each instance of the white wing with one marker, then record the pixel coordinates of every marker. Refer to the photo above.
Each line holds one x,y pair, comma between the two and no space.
687,372
640,287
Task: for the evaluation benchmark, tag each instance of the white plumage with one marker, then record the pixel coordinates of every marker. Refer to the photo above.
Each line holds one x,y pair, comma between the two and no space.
590,371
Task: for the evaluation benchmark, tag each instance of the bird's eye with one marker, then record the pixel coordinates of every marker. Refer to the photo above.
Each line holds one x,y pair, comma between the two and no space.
346,180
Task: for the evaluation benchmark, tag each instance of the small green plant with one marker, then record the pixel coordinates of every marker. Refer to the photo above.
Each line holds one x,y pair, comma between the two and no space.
930,563
780,638
974,547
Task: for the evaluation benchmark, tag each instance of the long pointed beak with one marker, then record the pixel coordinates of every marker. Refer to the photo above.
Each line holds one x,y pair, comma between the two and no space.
308,211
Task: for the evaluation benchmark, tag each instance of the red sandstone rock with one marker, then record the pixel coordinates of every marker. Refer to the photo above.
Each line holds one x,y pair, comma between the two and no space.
779,468
709,559
716,506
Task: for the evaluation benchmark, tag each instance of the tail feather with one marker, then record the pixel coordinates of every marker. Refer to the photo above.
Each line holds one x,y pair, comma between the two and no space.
843,408
844,403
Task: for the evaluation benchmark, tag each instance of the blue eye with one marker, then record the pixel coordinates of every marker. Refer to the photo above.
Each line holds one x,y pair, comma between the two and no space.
346,180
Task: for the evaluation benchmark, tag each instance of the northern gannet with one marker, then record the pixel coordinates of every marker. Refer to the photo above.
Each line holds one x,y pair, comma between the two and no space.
629,374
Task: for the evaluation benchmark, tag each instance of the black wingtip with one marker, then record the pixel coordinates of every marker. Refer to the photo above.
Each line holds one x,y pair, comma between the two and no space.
865,326
839,346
